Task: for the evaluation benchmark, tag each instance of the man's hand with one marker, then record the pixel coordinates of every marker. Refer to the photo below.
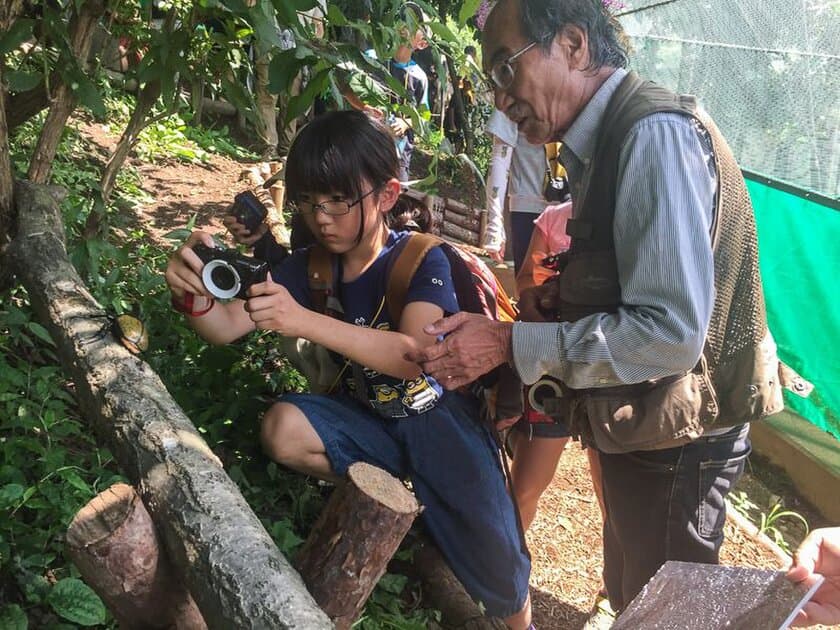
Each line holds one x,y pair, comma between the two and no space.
399,127
272,307
240,233
473,346
819,554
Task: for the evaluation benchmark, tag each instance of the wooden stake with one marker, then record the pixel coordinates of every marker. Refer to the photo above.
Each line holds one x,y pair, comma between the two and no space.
113,542
355,536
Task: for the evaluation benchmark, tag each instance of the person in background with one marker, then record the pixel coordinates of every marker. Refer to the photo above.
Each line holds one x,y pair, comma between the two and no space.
517,171
413,78
819,554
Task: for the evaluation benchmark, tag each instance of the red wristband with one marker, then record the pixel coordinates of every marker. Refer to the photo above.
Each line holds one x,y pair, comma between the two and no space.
186,307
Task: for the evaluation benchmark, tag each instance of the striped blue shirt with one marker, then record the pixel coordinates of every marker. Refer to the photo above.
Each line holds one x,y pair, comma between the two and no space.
663,215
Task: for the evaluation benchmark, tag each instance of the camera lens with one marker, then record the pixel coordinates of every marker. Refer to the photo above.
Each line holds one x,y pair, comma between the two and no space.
542,390
221,279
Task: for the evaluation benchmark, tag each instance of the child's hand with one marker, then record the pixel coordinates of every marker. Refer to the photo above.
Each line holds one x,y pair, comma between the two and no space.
399,127
530,305
505,423
183,272
272,307
240,233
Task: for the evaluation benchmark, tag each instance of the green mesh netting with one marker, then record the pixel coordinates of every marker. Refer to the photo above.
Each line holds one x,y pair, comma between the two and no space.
799,249
768,71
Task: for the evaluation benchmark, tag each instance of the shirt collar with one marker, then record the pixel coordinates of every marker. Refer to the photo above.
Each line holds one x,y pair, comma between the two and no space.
581,136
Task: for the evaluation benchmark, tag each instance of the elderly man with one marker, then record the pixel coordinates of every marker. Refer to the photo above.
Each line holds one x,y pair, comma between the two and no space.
655,330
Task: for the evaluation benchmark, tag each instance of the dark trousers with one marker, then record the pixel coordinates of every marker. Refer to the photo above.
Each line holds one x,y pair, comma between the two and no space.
521,227
666,505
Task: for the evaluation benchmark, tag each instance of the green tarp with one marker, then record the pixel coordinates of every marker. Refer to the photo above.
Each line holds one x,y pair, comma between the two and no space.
799,249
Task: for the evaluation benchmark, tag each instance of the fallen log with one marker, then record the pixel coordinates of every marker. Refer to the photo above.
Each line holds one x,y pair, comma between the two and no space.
454,206
468,223
113,542
232,568
354,538
443,591
459,233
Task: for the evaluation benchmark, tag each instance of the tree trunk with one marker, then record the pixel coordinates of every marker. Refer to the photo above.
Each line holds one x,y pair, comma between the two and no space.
113,542
443,591
8,12
460,110
64,101
6,181
22,106
355,536
146,99
235,573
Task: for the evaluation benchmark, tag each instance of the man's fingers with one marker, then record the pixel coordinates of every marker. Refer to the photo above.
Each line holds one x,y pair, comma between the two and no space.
426,356
446,325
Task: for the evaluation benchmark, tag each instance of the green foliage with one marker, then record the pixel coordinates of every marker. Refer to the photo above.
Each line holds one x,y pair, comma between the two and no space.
769,522
75,601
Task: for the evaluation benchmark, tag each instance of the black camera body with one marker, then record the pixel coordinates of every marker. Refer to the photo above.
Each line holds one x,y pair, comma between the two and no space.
248,210
227,273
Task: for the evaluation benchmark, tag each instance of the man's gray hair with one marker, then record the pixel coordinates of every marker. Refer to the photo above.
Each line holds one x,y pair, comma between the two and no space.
543,19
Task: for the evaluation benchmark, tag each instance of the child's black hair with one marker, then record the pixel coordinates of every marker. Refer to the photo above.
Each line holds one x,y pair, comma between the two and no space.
340,152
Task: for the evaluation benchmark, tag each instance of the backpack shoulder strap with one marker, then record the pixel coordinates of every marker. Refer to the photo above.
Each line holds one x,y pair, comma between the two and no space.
319,273
403,267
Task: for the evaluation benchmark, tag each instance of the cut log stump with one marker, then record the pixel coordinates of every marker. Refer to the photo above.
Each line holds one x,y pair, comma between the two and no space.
113,542
355,536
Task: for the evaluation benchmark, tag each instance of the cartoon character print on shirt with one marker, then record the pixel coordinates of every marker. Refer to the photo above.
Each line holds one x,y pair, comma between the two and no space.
393,398
420,394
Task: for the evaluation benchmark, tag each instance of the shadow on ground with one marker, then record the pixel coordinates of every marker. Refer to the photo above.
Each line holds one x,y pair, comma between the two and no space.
551,613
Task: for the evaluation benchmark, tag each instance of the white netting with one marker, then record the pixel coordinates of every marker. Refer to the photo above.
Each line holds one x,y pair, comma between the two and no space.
768,71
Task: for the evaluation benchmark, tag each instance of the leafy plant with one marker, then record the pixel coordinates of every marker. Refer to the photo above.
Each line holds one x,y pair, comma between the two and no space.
767,522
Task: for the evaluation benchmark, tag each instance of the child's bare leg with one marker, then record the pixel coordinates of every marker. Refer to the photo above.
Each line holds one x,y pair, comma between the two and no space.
522,619
288,438
534,463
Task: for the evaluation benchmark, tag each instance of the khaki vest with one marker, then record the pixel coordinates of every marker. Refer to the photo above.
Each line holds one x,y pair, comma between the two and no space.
736,379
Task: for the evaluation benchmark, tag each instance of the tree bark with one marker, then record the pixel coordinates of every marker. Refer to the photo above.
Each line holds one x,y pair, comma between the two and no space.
236,574
64,101
22,106
146,98
443,591
7,190
8,12
458,233
355,536
113,542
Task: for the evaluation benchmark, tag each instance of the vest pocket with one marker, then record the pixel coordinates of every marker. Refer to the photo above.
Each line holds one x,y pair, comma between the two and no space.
641,417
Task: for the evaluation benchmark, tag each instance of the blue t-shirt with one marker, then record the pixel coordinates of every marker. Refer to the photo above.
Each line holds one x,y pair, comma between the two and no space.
362,304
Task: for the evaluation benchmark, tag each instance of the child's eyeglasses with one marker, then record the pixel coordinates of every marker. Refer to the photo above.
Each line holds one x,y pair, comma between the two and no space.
333,208
502,73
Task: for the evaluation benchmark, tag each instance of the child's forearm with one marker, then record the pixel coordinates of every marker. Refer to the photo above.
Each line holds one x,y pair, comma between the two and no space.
380,350
223,323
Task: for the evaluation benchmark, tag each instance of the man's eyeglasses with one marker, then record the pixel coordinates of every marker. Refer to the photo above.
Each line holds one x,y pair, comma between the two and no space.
502,73
333,207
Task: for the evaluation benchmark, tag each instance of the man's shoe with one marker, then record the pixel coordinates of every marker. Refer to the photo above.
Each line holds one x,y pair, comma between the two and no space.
602,616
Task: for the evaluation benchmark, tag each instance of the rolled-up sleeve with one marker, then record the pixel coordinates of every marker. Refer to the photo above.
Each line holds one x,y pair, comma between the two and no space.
663,217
